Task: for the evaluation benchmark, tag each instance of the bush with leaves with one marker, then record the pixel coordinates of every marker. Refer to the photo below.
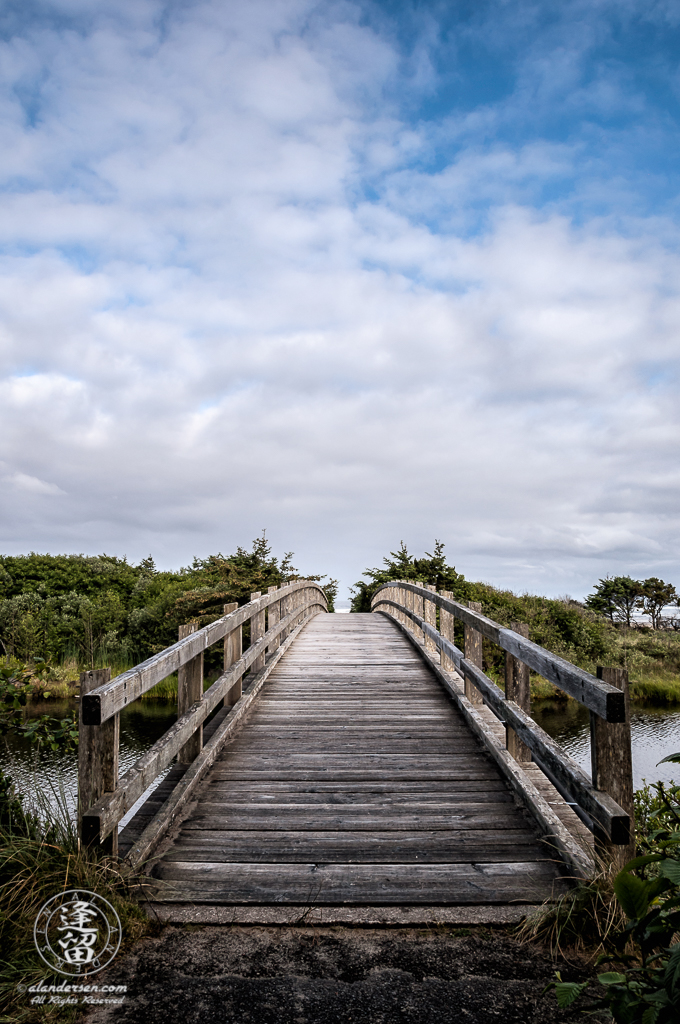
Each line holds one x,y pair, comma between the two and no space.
432,569
58,734
646,988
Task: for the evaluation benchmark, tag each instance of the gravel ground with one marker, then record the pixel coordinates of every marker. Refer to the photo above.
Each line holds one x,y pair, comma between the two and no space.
320,975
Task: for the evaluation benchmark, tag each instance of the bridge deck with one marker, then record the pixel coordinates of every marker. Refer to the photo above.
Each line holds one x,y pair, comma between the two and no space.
355,781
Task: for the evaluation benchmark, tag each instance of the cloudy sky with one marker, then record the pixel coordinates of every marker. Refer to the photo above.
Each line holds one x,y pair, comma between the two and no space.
353,272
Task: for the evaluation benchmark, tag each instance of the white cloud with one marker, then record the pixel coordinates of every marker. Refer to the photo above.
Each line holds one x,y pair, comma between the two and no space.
208,325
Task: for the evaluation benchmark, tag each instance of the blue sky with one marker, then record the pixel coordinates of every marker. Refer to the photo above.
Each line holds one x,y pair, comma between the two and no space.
351,272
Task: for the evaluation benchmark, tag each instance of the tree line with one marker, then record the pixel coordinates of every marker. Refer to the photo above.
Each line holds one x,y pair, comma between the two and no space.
103,609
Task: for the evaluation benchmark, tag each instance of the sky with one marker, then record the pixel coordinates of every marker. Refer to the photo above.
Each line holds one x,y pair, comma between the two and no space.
352,272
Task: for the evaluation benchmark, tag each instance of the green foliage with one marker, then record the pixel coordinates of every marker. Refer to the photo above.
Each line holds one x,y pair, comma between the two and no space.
432,569
646,987
105,611
59,734
38,859
617,597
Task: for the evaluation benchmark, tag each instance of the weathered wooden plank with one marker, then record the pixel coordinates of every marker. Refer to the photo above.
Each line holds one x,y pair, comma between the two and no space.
105,814
358,883
605,700
612,766
189,692
517,689
98,748
107,700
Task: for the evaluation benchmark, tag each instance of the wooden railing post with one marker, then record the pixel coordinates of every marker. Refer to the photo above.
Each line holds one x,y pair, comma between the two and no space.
430,616
273,616
98,747
233,649
418,609
517,688
612,765
189,691
473,653
446,625
257,630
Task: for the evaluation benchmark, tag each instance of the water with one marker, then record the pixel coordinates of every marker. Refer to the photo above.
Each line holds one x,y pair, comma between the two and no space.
655,733
51,777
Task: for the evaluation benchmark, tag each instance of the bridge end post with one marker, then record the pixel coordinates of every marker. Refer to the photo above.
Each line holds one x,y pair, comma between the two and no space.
98,747
612,765
189,691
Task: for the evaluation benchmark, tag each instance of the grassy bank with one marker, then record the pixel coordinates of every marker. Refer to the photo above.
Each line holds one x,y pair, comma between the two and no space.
567,628
38,860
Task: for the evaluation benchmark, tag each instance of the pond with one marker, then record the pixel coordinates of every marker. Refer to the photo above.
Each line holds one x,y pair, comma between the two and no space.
655,733
51,777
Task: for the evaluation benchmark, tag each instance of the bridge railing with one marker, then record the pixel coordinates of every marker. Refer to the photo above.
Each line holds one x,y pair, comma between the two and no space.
275,618
414,608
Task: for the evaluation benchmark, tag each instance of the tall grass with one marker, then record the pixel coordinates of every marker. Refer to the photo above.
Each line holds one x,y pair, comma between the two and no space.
40,856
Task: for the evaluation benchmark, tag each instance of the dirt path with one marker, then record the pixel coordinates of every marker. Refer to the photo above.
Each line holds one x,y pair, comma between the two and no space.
313,975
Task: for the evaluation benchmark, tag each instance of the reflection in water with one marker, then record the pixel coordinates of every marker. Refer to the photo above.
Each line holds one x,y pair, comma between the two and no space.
50,777
655,733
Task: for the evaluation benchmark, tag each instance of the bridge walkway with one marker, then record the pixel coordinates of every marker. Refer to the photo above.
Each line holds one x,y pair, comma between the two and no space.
354,781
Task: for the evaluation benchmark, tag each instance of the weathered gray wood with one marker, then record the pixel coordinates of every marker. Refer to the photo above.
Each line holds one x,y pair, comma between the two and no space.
158,826
517,689
446,628
612,766
108,700
565,770
233,649
190,692
357,883
98,748
430,616
111,808
605,700
473,655
418,608
273,616
257,630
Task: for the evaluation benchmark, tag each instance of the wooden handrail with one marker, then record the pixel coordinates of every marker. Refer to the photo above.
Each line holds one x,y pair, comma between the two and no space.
572,781
292,603
604,699
104,702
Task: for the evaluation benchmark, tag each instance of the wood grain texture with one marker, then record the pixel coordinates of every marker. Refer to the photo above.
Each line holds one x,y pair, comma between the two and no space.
98,747
354,760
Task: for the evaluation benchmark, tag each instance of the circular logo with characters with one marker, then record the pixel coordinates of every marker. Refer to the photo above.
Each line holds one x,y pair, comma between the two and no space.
77,932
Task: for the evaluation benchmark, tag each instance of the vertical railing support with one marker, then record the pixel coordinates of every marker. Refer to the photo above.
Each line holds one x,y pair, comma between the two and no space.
430,616
417,606
518,689
257,630
273,616
446,625
98,747
233,649
189,691
612,765
473,653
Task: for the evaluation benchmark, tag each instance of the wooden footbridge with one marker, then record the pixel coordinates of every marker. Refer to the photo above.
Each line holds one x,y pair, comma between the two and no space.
357,768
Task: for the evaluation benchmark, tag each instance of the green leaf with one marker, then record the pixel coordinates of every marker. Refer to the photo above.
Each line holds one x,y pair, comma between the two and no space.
650,1015
633,894
639,862
671,975
670,868
568,992
670,759
611,978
